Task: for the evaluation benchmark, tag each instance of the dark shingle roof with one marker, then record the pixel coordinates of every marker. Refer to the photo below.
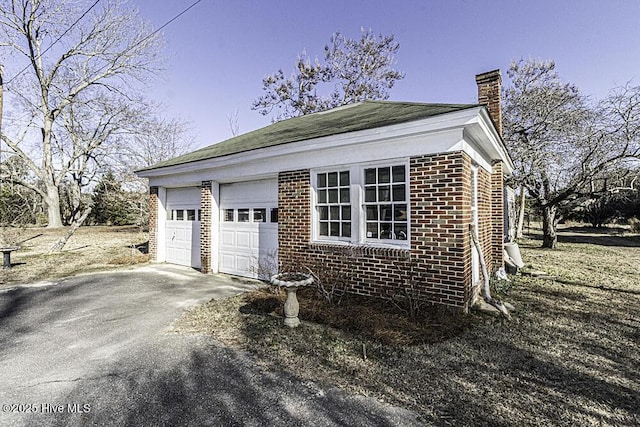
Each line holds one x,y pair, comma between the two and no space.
355,117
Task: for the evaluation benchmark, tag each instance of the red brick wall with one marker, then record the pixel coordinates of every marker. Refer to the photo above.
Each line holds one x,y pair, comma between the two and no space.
439,260
205,227
153,223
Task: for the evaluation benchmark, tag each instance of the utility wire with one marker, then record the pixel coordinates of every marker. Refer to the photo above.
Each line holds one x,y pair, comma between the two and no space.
130,47
57,40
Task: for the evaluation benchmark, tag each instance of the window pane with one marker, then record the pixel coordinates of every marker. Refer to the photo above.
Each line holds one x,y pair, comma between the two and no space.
322,196
344,195
274,215
334,213
400,212
324,228
385,231
372,213
333,196
243,215
346,229
369,176
399,194
346,212
322,180
384,175
398,174
259,215
191,215
180,215
332,179
228,215
344,178
384,193
199,214
372,230
401,231
334,228
370,194
324,212
385,213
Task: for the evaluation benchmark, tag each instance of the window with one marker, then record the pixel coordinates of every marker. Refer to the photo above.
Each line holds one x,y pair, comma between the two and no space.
333,204
228,215
179,215
385,203
259,215
363,204
243,215
274,215
191,214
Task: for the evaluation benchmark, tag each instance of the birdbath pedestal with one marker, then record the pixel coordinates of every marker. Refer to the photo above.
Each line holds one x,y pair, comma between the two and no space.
6,256
291,282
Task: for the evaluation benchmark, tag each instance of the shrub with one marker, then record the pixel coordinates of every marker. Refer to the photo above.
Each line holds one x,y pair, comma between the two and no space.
634,223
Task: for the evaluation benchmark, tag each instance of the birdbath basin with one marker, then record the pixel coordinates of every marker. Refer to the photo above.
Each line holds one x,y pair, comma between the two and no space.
6,256
291,282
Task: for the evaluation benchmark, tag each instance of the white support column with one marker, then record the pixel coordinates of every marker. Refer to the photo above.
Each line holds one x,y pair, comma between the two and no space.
162,224
215,226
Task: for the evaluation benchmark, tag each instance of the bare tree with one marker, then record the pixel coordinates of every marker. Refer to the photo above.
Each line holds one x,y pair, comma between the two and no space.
352,71
75,94
560,141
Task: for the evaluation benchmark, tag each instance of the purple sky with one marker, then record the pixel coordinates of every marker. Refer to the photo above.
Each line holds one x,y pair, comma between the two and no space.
219,51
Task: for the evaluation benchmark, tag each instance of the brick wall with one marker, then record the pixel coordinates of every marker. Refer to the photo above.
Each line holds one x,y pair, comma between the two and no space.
153,223
205,226
438,263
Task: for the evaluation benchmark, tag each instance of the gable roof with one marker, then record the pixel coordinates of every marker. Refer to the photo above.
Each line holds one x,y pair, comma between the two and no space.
349,118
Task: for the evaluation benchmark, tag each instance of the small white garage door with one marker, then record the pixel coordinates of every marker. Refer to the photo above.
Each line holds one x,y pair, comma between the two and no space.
182,235
249,228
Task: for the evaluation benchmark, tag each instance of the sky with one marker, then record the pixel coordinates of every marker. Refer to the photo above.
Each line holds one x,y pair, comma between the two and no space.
219,51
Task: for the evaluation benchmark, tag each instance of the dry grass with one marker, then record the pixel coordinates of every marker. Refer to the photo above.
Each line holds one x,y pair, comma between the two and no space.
89,249
569,356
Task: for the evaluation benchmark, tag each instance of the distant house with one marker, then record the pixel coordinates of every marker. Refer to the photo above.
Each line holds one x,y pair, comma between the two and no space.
397,184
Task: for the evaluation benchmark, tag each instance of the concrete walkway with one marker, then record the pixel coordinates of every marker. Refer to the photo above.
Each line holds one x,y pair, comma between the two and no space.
95,350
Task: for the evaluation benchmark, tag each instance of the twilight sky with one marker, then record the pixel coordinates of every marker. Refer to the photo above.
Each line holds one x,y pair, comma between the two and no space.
219,51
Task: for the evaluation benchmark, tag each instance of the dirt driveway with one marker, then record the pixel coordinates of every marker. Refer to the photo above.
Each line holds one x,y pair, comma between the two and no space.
97,349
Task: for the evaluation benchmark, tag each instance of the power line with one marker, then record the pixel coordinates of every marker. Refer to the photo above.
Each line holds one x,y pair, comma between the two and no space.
58,39
130,47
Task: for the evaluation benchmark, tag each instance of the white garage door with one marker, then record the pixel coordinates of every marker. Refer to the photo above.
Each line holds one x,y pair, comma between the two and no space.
182,236
249,228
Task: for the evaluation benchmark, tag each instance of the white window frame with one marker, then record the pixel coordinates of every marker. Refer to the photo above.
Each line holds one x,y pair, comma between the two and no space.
357,201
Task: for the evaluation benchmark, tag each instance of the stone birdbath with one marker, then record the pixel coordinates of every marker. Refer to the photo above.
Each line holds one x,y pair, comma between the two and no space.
291,282
6,256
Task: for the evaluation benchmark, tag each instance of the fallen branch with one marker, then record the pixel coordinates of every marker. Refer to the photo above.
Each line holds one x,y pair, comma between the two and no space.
487,291
57,246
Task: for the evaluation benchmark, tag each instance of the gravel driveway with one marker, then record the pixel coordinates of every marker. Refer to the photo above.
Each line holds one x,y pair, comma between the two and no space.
95,350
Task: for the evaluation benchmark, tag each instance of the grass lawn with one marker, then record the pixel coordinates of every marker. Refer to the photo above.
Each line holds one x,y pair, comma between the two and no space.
89,249
569,356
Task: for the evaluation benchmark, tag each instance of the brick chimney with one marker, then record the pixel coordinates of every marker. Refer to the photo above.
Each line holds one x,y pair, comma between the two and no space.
489,95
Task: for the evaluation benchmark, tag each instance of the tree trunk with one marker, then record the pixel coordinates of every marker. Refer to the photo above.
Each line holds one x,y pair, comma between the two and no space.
549,236
53,206
520,225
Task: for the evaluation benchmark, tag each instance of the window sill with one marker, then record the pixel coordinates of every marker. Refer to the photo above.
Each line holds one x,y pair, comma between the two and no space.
361,249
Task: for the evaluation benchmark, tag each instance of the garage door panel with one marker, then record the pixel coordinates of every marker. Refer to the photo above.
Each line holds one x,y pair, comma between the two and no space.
227,238
243,240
